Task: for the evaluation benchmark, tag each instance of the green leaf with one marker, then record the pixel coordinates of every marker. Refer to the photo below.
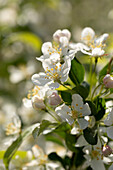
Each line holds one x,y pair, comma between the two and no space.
62,129
81,90
54,157
100,107
54,138
90,134
27,38
67,97
76,73
21,154
43,126
15,145
70,141
92,107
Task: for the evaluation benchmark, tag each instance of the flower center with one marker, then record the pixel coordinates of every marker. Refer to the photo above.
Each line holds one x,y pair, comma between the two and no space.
54,72
33,92
75,113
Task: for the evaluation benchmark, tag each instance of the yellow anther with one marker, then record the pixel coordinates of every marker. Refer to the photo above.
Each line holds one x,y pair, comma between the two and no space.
81,107
76,104
51,69
56,67
48,74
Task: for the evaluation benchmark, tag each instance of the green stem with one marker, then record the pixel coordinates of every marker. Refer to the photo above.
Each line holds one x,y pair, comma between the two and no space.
49,109
95,91
90,76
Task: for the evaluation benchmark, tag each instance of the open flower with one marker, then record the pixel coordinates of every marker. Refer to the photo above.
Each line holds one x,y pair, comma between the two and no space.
76,112
54,74
91,45
94,156
95,44
14,128
58,51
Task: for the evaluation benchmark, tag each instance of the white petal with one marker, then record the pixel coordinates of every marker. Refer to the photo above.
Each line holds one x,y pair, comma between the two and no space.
39,79
55,57
109,120
97,52
86,110
66,33
83,123
77,101
27,102
45,47
63,111
81,142
64,41
53,85
87,35
110,132
101,39
42,58
97,164
57,35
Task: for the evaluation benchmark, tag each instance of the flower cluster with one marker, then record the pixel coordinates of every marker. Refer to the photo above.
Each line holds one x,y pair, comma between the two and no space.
78,105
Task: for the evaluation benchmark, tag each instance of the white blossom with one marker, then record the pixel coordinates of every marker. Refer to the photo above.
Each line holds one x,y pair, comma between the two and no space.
76,113
54,74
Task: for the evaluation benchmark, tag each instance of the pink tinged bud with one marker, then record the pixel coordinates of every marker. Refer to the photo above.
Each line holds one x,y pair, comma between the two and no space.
108,81
54,99
106,150
38,103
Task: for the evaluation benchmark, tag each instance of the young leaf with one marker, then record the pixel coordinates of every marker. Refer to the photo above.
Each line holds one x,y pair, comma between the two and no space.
15,145
76,73
43,126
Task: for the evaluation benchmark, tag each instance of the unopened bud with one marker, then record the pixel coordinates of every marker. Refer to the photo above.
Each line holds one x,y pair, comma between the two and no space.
108,81
38,103
54,99
106,150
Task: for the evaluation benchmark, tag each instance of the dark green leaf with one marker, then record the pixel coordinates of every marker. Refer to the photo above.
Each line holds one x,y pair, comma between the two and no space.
92,107
67,97
76,73
90,134
100,107
54,157
81,90
70,141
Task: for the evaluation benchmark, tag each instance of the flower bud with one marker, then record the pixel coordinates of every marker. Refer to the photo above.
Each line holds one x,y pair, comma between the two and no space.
106,150
38,103
54,99
108,81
